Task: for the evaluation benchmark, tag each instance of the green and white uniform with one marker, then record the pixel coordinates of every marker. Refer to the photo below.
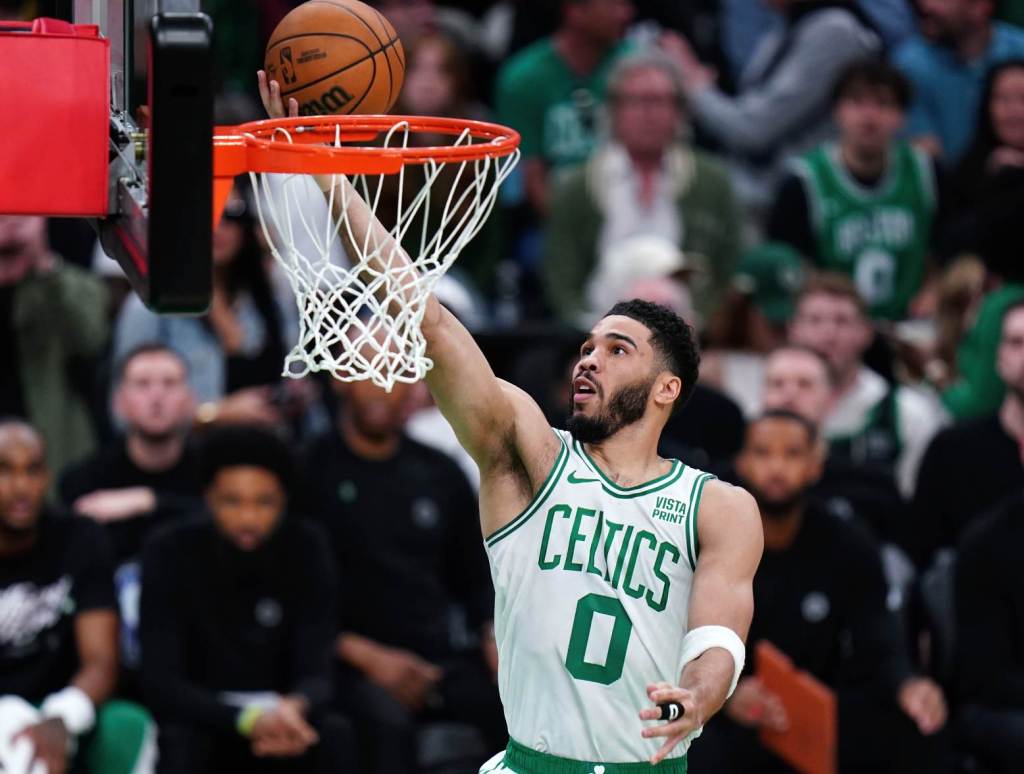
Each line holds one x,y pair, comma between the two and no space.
879,236
592,587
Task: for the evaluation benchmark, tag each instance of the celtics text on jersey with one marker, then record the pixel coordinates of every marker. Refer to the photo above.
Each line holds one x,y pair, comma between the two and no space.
592,587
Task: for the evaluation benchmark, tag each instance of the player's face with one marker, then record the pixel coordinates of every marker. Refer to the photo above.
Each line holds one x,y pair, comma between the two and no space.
247,503
1008,107
1010,358
869,119
779,461
24,478
613,379
833,326
154,398
646,113
797,381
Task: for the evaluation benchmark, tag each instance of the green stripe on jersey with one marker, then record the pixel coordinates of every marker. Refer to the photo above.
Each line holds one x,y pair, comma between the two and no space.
545,489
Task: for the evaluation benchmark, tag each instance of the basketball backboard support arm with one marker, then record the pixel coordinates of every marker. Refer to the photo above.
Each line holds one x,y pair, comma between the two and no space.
159,226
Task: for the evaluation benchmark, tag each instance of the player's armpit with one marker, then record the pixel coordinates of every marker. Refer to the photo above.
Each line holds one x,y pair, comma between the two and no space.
493,419
731,541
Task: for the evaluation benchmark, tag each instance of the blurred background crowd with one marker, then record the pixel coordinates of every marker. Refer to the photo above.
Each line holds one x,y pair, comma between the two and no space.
830,191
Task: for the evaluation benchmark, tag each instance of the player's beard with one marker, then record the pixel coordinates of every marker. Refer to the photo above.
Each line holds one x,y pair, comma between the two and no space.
625,407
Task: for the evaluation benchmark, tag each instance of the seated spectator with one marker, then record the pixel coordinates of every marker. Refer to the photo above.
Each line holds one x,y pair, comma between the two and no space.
58,647
403,515
864,205
870,421
752,322
807,604
149,475
958,42
988,187
551,91
646,181
237,649
781,108
235,353
985,452
52,315
990,650
800,380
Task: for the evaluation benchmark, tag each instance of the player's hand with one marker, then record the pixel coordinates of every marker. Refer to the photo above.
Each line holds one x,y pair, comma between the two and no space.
753,705
49,739
106,505
922,700
404,675
270,94
675,731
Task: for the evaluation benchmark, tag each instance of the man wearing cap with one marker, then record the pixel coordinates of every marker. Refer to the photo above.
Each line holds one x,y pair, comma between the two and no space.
752,322
645,181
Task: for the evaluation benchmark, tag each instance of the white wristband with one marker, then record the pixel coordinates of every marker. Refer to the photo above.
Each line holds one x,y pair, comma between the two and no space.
704,638
73,707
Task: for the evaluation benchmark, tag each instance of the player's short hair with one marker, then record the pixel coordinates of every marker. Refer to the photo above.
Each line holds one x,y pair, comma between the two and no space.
146,348
245,446
789,416
830,283
672,338
873,75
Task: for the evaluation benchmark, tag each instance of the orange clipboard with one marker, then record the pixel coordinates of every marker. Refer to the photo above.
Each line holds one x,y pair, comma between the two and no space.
809,745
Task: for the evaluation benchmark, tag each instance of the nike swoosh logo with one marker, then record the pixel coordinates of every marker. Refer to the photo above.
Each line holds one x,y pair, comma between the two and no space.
574,480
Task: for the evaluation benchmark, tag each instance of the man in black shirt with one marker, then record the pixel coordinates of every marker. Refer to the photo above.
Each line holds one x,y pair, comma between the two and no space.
404,526
238,623
819,596
973,465
149,475
58,629
990,637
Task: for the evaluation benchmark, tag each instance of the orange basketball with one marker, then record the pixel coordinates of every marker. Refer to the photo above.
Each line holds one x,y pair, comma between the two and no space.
336,56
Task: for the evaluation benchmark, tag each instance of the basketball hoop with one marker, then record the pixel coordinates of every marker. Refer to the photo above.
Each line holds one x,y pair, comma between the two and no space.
362,320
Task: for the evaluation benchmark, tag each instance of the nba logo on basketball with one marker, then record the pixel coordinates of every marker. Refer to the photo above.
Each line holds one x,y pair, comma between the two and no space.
287,66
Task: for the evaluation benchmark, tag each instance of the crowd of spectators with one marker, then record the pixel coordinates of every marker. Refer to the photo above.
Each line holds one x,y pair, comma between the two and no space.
205,566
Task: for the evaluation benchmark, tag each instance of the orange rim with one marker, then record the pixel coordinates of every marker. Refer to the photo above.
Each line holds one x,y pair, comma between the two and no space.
262,146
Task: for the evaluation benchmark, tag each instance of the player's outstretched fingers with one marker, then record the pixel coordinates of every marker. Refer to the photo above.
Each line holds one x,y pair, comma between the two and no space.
666,748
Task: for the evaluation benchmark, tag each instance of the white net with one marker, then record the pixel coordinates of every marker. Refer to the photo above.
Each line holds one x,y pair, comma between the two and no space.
361,295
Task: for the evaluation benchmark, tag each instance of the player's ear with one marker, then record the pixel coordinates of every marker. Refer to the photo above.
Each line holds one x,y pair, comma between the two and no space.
667,389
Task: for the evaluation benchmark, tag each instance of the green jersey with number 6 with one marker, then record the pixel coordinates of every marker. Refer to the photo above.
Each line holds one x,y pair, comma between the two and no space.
592,587
879,236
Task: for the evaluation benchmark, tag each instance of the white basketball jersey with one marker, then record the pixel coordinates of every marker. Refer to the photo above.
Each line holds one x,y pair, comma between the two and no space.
592,587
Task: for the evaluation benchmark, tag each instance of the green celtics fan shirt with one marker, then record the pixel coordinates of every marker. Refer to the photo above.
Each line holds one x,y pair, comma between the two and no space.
879,235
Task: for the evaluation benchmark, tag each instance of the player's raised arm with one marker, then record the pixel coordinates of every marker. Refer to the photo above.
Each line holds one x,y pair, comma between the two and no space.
498,424
731,541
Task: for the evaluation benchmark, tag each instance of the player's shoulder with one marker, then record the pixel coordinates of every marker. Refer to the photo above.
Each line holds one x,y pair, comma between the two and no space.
719,494
727,511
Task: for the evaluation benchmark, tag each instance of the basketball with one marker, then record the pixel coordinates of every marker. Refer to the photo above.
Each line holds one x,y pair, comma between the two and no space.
336,56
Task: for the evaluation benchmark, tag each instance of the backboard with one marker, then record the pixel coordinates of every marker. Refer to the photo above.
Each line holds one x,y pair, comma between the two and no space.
159,224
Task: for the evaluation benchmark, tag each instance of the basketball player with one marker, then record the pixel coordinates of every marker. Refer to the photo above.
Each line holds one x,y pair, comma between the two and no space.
623,580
